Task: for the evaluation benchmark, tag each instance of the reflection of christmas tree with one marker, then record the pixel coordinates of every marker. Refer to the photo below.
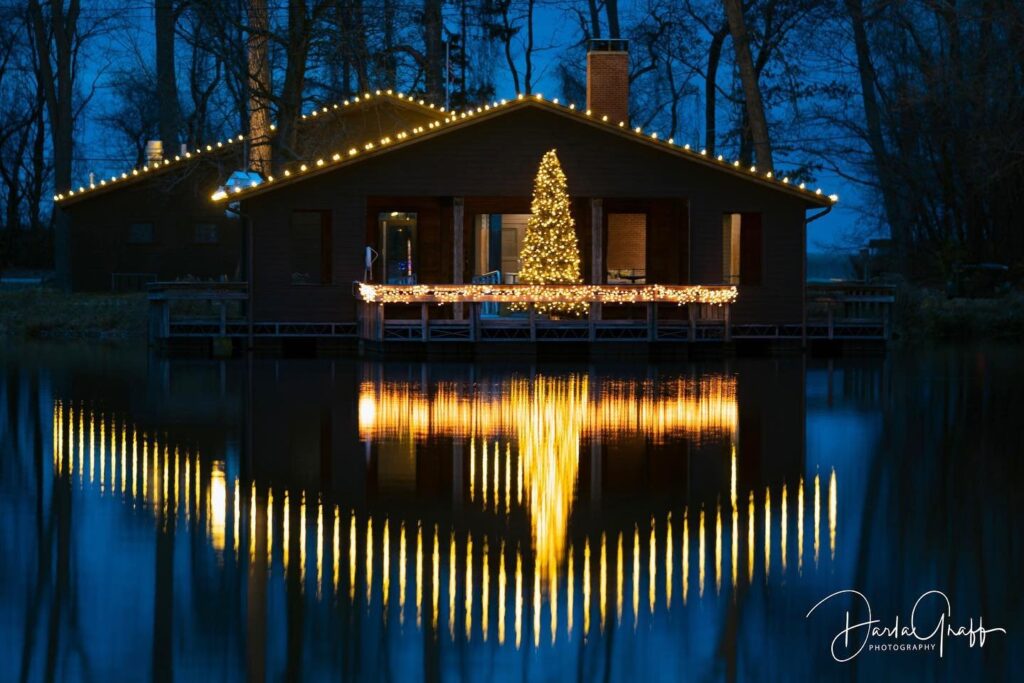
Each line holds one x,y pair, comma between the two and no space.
550,253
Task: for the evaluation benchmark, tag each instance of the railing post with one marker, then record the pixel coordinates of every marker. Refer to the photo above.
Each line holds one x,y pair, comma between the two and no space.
591,332
652,321
473,319
223,318
728,323
424,322
378,331
691,309
533,322
831,321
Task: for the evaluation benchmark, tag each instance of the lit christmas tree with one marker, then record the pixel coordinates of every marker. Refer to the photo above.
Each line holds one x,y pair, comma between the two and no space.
550,253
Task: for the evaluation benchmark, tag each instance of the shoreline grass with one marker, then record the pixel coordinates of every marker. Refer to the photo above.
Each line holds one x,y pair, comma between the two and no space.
46,313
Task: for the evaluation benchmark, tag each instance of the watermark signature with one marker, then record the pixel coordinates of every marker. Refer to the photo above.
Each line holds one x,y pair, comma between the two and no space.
918,634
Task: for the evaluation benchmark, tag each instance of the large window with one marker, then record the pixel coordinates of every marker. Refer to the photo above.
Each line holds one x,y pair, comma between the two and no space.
627,248
398,247
310,247
741,248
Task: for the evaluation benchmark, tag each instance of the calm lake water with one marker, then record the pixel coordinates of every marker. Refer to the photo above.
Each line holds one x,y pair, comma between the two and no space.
342,520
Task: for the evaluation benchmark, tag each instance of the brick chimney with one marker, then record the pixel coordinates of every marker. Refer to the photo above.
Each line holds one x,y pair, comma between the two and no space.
608,79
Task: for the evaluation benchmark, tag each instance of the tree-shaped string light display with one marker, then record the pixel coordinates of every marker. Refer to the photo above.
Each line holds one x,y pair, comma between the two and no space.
551,254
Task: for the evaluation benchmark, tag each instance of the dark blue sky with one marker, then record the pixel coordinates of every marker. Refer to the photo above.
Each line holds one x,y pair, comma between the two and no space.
109,154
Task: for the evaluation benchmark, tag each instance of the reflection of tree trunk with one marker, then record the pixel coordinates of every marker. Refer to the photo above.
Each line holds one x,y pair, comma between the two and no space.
256,602
163,607
751,88
295,602
711,87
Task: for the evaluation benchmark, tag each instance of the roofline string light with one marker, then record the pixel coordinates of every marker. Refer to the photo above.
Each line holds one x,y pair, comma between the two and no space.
136,173
453,118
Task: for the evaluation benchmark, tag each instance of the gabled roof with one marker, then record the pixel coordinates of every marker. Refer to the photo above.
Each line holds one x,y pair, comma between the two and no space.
179,161
457,121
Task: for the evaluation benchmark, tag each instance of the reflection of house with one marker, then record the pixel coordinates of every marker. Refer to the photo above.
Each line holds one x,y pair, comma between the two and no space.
465,574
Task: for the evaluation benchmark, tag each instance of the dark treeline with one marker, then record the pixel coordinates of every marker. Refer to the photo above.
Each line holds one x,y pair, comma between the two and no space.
919,102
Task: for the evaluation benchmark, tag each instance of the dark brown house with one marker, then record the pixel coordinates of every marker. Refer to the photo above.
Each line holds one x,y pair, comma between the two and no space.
393,191
446,202
157,222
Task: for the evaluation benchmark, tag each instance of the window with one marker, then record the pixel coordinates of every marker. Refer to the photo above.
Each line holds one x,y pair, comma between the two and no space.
741,248
398,241
627,248
310,247
140,233
206,233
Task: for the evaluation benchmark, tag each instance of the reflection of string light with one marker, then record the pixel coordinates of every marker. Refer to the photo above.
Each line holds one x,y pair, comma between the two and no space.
784,526
832,504
817,516
191,477
686,555
698,408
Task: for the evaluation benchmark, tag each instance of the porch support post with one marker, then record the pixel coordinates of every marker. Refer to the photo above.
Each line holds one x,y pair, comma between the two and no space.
596,251
458,257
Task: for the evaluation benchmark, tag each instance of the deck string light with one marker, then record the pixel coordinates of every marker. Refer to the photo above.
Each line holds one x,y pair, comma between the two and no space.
579,294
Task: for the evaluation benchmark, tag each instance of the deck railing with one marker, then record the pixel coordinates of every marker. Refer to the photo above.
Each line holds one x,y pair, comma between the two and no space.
839,311
531,325
200,298
840,305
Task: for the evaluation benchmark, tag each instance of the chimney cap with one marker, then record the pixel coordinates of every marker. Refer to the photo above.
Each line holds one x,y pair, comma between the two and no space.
608,45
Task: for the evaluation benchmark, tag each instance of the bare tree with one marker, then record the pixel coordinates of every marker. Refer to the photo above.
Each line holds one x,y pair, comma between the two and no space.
754,107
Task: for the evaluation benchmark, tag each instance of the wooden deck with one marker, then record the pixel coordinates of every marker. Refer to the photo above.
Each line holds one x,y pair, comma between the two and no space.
198,311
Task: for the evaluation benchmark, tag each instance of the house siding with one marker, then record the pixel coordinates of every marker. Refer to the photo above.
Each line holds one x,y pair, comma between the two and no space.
176,198
496,160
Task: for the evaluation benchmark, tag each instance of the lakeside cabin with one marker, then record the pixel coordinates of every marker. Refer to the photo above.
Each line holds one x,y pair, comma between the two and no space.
402,222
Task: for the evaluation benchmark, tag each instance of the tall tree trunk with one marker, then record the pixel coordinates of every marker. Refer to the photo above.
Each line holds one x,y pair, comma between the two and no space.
507,34
290,102
751,88
876,140
611,8
360,54
55,47
711,88
166,79
259,87
595,19
528,52
434,66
